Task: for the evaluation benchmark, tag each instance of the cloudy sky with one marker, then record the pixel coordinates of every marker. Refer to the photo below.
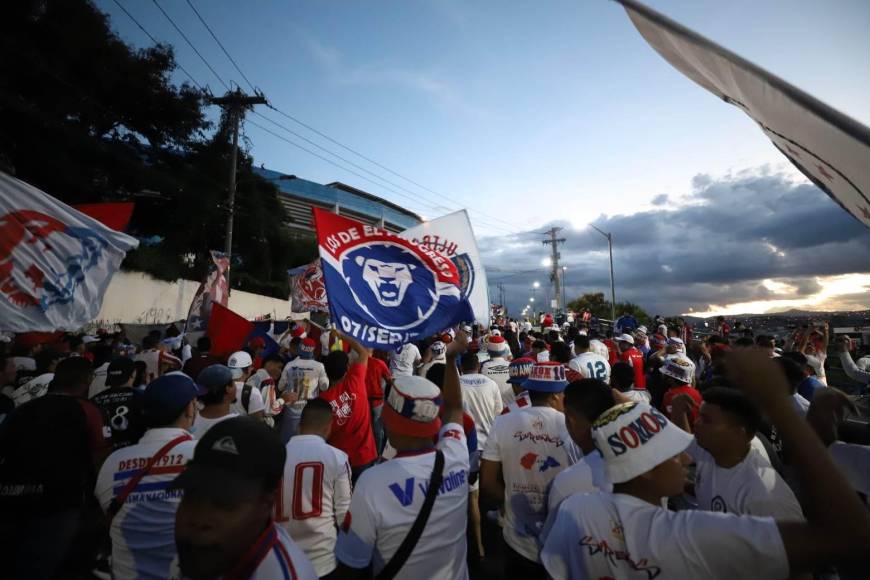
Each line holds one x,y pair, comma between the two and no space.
563,115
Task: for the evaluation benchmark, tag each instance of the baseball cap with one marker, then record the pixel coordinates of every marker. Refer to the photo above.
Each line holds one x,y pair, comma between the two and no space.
519,369
165,397
634,438
214,377
547,377
119,372
236,457
642,329
298,330
625,338
678,342
662,329
679,368
496,344
467,329
238,362
412,407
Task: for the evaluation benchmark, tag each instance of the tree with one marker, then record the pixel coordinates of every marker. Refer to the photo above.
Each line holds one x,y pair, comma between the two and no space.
87,118
599,307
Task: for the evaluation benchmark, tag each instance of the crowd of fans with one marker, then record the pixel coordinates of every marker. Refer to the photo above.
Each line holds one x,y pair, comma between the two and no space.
637,452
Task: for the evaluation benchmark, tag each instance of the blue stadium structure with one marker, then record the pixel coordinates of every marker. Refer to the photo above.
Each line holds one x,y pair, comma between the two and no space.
298,196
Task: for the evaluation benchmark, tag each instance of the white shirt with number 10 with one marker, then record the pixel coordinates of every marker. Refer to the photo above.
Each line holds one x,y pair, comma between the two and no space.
591,366
314,498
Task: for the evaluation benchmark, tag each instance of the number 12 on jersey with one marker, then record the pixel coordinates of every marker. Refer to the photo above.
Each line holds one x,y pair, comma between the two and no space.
597,371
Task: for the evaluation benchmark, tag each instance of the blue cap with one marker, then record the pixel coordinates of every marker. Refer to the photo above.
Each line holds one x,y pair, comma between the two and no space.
165,397
215,377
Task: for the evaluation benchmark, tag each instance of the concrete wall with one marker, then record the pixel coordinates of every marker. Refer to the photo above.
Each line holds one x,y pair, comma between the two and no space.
134,297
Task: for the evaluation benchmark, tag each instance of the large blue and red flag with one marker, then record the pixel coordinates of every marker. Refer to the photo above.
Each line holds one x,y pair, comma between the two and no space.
384,290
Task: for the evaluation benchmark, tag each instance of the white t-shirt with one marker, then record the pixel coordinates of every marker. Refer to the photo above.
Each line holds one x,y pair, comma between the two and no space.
638,395
201,424
404,360
599,348
314,498
752,487
854,461
386,501
255,404
801,405
604,535
305,377
533,446
482,400
143,531
587,475
498,369
592,366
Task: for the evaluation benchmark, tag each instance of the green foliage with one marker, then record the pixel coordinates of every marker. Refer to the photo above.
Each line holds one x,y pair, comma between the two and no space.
599,306
86,118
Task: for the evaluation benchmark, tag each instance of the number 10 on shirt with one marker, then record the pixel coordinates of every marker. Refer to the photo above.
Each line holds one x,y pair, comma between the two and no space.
307,500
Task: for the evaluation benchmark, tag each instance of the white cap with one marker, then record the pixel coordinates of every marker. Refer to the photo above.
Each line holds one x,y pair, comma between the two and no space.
625,338
678,367
238,362
662,329
634,438
642,329
88,339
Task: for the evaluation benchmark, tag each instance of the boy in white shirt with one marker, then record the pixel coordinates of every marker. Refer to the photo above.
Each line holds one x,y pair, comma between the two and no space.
305,378
220,392
404,360
249,400
315,493
730,476
588,363
627,534
496,366
389,496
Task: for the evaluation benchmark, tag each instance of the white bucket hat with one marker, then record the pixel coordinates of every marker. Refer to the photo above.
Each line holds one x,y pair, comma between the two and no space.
678,367
634,438
625,338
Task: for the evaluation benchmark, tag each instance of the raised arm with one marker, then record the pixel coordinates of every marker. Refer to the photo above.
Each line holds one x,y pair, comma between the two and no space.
849,366
838,525
362,353
451,392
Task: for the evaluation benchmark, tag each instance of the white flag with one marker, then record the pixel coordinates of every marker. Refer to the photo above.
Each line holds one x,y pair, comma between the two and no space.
831,149
55,262
451,236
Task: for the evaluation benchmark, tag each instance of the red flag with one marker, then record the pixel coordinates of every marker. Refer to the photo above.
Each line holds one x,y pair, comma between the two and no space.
114,215
227,330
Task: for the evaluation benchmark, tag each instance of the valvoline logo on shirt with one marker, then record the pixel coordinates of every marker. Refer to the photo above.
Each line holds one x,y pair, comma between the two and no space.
384,290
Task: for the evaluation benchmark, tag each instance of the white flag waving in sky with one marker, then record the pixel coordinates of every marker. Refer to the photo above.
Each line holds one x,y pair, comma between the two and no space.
451,236
55,262
831,149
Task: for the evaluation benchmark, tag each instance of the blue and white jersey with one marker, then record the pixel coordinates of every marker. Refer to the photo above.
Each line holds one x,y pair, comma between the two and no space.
143,531
386,501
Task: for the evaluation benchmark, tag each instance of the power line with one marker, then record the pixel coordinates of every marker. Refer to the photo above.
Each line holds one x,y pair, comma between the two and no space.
184,36
384,167
155,41
220,44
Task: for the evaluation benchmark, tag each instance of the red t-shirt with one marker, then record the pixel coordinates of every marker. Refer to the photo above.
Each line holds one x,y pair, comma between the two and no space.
634,357
351,419
612,351
683,389
376,373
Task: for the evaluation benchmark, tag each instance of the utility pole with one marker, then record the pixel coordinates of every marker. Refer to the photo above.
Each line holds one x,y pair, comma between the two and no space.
235,103
554,258
609,237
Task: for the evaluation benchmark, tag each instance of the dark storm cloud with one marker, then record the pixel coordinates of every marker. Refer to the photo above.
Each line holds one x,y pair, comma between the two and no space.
718,247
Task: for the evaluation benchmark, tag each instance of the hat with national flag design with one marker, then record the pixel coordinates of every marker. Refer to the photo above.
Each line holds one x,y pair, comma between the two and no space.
306,348
496,343
298,330
519,369
412,406
547,377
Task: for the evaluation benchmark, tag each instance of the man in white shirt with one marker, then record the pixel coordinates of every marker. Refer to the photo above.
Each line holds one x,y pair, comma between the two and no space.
730,476
249,400
434,356
224,526
496,367
389,496
315,491
585,401
404,360
305,378
142,523
524,452
627,534
483,401
589,364
220,392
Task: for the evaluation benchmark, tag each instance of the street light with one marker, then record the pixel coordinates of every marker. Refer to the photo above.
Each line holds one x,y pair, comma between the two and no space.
612,286
564,291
